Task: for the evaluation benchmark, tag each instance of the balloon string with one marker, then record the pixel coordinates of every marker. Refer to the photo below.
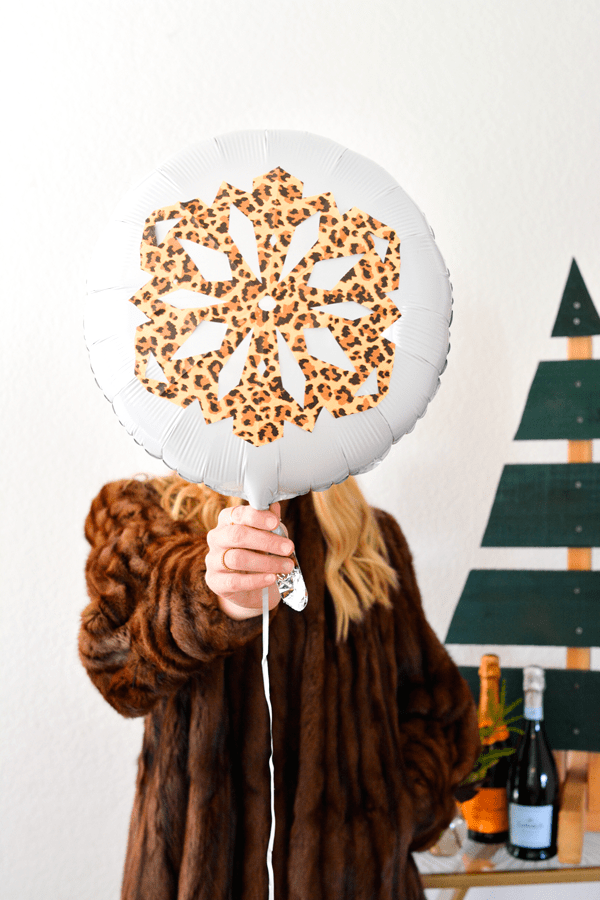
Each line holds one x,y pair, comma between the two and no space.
265,672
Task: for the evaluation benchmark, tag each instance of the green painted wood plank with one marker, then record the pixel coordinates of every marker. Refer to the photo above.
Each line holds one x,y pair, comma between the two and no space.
546,608
571,704
563,402
577,315
546,505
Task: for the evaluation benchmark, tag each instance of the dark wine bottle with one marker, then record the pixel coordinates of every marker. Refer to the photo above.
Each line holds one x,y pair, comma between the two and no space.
486,814
533,780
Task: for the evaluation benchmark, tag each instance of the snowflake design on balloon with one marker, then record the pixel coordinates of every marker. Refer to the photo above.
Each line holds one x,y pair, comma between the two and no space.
259,311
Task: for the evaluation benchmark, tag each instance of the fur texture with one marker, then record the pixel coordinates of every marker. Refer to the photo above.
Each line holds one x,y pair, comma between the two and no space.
371,735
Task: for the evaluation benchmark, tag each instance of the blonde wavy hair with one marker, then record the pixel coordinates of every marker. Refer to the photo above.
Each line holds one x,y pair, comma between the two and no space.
357,570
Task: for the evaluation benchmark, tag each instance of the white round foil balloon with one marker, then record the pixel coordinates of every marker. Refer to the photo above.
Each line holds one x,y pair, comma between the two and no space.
268,313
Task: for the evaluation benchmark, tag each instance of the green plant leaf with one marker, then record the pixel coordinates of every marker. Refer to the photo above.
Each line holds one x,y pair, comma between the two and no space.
499,714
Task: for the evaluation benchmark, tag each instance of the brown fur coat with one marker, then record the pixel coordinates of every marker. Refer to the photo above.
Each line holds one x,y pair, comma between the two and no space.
370,735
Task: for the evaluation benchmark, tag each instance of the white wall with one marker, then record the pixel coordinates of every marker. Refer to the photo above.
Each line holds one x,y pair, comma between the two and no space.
486,113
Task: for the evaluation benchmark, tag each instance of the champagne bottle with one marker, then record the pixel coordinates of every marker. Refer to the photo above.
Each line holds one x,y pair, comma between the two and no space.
486,814
533,780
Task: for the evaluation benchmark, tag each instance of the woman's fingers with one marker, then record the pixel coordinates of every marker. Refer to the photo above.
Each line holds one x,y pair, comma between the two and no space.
221,566
232,583
240,560
266,519
241,595
248,529
246,538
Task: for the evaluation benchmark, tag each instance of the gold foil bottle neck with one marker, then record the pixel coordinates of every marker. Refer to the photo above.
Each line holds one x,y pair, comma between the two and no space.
490,666
490,716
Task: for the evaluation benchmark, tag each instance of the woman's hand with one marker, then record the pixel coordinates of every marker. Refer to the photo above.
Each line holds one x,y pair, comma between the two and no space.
244,557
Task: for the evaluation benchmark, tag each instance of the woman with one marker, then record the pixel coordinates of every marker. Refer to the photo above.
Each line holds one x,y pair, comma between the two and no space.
373,726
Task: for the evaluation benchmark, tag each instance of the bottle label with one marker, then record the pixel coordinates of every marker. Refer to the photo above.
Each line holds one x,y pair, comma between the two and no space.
530,826
486,812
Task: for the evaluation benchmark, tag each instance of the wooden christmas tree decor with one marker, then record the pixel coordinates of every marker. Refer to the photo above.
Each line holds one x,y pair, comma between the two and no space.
552,505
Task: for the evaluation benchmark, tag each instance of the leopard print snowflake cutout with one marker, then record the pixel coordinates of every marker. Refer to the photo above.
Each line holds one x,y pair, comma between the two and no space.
263,311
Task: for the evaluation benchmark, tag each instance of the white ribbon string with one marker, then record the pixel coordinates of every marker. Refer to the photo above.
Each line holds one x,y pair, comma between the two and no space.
265,672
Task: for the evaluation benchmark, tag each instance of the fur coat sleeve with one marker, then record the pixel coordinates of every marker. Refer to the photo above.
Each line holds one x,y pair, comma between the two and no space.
152,621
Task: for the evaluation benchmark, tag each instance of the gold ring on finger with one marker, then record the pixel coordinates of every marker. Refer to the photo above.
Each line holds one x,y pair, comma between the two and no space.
225,566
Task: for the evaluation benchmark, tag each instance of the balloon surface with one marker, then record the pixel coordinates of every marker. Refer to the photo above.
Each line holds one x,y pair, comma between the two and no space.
268,313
